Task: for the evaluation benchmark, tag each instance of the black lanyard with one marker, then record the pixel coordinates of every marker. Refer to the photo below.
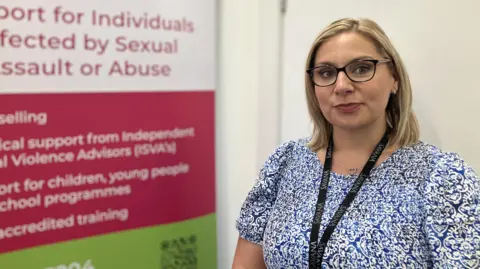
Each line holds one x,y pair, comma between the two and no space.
316,250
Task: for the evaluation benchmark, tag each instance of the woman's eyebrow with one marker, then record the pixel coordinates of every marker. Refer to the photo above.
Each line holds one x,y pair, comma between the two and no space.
366,57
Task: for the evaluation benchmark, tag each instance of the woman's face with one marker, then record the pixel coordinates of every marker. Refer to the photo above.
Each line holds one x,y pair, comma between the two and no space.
348,104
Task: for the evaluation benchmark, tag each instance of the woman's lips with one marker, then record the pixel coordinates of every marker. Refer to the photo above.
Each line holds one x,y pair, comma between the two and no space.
348,108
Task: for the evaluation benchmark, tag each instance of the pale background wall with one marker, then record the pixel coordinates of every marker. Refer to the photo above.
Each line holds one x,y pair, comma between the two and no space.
260,97
439,42
247,106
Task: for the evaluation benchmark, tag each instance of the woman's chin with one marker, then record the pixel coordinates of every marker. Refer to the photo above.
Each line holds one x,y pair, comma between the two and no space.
350,124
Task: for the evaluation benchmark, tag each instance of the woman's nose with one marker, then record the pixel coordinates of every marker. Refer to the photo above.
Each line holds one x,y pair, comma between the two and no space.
343,84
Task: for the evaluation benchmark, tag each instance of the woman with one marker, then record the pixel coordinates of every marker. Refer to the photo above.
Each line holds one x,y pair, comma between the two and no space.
363,191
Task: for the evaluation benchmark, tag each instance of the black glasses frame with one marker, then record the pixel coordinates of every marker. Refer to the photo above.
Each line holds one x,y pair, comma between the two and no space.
338,70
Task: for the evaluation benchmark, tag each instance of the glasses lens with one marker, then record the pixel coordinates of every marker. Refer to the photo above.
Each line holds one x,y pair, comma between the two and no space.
361,70
324,75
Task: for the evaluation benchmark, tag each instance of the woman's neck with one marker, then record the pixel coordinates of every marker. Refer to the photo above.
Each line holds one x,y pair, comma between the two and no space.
362,140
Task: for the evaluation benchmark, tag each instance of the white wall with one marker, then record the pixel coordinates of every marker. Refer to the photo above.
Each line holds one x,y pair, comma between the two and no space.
247,106
438,41
260,100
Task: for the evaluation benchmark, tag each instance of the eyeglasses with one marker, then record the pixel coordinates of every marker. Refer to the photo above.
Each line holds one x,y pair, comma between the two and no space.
358,71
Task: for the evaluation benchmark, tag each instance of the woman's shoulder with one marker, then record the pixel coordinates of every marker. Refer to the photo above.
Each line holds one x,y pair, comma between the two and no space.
287,155
451,202
441,164
261,198
290,150
433,154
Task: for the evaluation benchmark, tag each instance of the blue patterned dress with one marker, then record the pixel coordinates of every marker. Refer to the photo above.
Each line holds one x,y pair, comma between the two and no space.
419,209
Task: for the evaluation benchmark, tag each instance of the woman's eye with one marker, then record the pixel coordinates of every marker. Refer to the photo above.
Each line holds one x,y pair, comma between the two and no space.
326,73
362,69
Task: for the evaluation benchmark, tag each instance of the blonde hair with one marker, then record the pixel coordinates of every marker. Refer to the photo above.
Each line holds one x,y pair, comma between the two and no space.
400,116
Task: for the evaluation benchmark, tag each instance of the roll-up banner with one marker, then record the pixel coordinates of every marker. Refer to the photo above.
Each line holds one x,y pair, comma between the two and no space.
107,134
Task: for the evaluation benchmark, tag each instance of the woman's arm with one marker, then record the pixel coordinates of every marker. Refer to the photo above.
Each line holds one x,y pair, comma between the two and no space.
452,223
255,211
248,256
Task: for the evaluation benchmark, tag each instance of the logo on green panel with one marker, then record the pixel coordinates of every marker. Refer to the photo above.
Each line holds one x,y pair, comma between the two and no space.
180,252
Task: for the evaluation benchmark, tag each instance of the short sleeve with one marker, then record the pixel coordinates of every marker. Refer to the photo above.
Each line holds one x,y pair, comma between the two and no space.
258,204
452,203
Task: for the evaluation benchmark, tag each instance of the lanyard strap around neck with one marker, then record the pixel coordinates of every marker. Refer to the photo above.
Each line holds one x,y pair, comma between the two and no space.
316,250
